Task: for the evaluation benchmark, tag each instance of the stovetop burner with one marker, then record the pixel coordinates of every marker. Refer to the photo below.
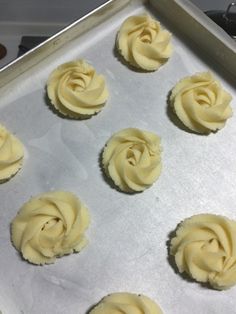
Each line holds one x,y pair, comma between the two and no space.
225,19
3,51
29,42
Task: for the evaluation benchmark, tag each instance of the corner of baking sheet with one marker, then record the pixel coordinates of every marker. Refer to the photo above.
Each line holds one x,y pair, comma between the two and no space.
80,26
198,28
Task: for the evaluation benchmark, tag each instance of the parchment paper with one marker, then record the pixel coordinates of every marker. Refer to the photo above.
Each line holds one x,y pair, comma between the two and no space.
128,235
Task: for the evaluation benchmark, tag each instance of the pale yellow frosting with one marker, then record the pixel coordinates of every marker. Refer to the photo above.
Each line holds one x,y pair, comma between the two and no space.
11,154
76,90
50,225
205,248
132,158
201,103
126,303
143,43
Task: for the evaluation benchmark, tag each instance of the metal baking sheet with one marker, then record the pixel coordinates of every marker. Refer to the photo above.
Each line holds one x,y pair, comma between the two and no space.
128,233
75,29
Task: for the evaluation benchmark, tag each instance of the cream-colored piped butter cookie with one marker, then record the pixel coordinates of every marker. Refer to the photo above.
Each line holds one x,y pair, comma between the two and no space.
126,303
205,248
11,154
143,42
50,225
76,90
132,159
201,103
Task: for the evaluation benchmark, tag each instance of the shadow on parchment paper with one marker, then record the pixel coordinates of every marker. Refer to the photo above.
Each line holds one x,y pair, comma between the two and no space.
171,261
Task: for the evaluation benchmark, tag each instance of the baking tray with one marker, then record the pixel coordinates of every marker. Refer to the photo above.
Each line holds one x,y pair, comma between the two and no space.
128,233
88,21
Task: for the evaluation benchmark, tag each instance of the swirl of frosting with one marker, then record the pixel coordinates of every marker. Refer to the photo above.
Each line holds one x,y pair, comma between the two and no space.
11,154
201,103
126,303
143,43
76,90
132,158
205,248
50,225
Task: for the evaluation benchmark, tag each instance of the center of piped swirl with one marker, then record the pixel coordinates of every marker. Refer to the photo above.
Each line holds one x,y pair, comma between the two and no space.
212,246
204,98
50,223
77,83
146,36
134,154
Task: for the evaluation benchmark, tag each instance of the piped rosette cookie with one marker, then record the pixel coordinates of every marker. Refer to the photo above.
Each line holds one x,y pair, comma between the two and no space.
143,42
201,103
132,159
126,303
205,248
50,225
76,90
11,154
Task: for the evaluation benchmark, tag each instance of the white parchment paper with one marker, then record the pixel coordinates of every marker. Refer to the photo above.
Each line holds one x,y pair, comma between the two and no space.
128,233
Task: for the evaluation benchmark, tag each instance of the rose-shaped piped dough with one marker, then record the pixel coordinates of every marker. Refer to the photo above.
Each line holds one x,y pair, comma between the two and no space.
201,103
143,43
126,303
76,90
205,248
132,158
11,154
50,225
